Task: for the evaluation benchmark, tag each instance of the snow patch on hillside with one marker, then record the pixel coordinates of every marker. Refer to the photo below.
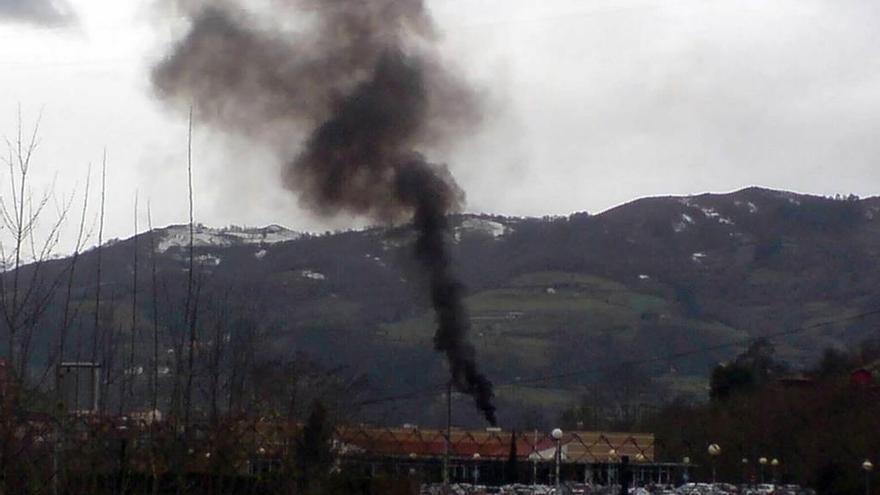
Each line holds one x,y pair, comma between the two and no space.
377,259
753,208
177,236
682,225
708,212
309,274
711,213
790,197
491,227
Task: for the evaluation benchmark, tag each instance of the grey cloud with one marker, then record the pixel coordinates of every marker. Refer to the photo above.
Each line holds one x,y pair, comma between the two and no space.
38,12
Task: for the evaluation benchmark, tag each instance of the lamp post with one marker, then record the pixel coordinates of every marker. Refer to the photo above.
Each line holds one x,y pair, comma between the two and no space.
714,451
867,467
612,470
686,461
745,464
557,435
640,458
775,465
763,462
476,467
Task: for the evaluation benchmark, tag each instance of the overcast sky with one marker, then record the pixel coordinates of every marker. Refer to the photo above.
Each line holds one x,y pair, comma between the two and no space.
592,103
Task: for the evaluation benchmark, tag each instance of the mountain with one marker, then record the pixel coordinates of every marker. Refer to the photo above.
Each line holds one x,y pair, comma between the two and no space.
633,305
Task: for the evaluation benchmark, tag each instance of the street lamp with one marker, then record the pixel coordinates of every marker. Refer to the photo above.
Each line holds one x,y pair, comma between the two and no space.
714,451
763,462
745,463
686,461
775,464
476,467
557,435
867,467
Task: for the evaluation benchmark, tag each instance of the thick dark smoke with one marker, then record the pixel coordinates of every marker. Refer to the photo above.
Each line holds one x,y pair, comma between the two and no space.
360,79
40,12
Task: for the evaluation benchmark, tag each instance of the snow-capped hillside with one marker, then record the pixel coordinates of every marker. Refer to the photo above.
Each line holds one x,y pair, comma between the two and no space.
177,236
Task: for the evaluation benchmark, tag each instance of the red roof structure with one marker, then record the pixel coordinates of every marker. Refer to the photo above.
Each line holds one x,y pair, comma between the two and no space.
577,446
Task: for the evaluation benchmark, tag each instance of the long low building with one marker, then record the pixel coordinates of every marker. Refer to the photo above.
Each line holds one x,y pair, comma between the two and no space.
496,444
487,454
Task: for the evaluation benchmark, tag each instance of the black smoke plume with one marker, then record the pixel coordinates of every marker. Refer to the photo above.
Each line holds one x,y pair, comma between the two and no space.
38,12
360,78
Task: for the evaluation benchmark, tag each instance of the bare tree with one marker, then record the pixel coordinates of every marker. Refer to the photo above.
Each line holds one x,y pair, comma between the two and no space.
241,363
67,315
25,293
154,388
26,287
66,320
98,281
130,371
190,311
154,306
216,359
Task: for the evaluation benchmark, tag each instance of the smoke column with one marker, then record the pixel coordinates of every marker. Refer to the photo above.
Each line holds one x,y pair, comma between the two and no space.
361,80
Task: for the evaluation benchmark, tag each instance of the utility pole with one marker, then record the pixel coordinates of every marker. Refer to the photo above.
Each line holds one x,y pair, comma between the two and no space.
625,475
448,437
534,455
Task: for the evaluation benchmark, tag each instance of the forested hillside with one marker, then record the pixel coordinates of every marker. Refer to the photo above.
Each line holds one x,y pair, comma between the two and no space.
630,307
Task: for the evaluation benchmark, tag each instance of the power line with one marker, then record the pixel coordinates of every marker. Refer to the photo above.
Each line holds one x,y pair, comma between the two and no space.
433,389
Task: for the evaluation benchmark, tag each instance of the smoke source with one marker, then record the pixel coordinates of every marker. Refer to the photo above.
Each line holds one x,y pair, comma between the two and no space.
361,80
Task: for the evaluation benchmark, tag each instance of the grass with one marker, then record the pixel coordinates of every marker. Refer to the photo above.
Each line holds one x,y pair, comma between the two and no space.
765,277
525,312
523,327
329,311
685,384
561,279
546,398
530,300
